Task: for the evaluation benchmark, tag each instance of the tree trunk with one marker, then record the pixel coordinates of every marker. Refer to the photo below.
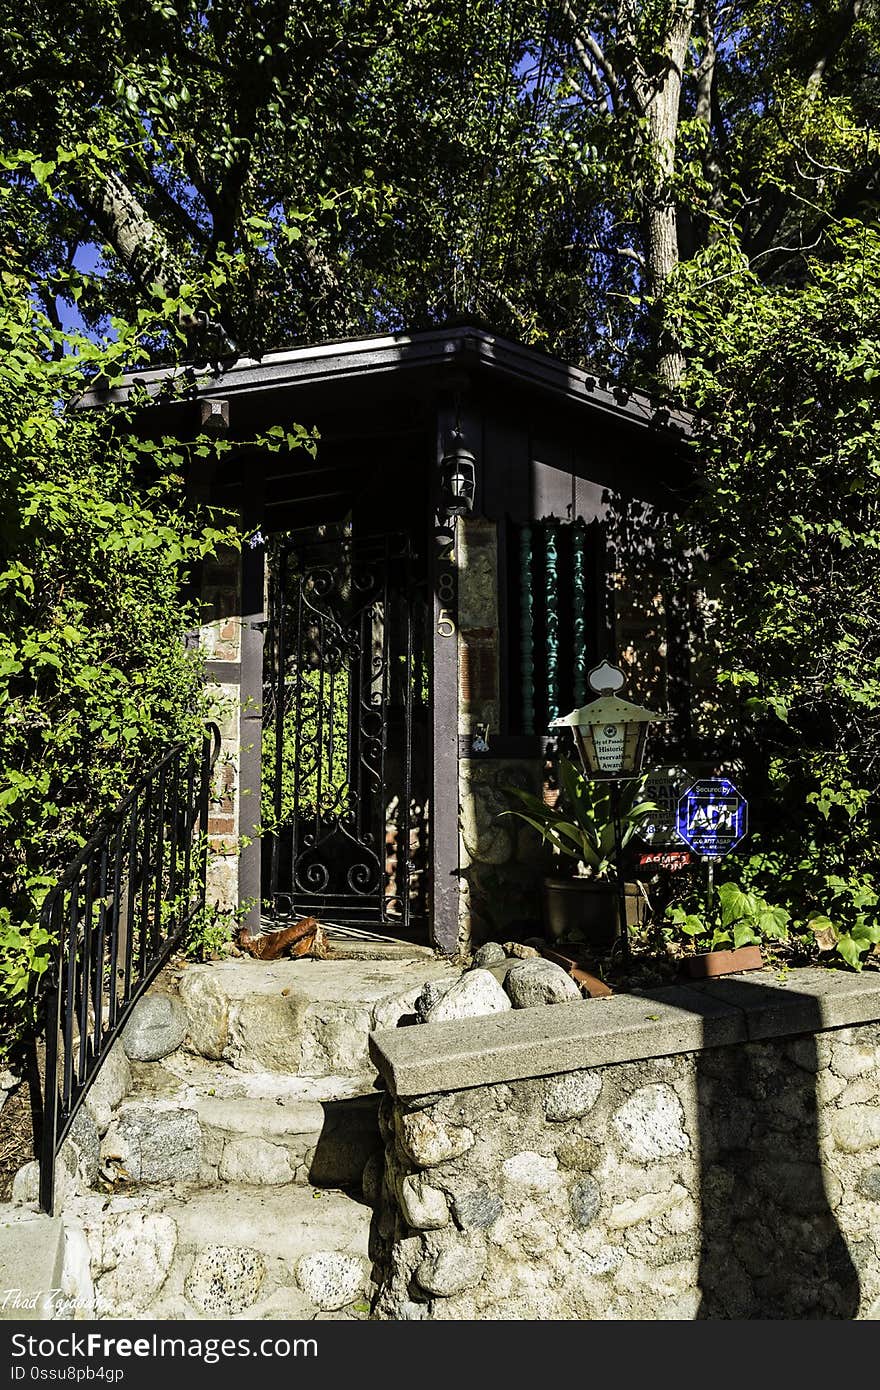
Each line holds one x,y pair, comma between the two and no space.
661,106
132,233
139,243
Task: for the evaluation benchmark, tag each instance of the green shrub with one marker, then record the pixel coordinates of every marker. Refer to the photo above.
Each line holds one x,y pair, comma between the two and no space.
786,535
314,771
96,679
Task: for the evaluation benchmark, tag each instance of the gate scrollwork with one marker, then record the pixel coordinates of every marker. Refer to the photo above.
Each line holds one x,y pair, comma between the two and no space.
349,694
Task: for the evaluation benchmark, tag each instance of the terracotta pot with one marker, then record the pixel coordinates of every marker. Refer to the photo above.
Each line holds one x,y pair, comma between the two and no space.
711,963
590,908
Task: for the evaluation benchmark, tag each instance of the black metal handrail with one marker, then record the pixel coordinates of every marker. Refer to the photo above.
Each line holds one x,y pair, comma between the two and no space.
116,914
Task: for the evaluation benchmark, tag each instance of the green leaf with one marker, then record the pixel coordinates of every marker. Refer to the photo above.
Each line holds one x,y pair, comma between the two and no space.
772,921
850,950
692,925
41,169
735,904
866,933
743,935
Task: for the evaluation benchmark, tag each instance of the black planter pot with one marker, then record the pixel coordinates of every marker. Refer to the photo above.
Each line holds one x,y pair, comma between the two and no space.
572,904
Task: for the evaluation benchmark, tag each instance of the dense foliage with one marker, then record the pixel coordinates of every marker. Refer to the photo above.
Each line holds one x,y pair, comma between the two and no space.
733,919
388,163
787,385
96,547
310,771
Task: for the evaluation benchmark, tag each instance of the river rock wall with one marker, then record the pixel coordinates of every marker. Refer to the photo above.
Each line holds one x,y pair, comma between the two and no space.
729,1182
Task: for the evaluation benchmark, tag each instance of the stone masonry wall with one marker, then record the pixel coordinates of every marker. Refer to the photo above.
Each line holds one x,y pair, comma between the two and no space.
478,624
485,844
736,1182
500,860
501,857
220,639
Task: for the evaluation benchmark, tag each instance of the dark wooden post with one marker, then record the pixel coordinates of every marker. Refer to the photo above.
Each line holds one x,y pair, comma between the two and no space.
444,709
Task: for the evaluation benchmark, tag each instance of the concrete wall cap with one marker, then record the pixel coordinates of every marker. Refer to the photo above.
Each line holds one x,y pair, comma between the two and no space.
460,1054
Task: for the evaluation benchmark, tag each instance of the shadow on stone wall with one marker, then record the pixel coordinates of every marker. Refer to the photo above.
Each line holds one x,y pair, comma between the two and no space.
502,860
720,1163
771,1245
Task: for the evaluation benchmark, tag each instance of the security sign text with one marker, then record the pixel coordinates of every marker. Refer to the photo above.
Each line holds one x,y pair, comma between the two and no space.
712,816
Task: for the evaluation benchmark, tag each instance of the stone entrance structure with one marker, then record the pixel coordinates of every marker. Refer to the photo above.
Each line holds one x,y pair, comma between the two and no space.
226,1161
532,497
699,1151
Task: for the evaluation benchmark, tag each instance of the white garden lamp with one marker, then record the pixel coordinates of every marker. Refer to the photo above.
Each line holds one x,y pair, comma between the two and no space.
609,732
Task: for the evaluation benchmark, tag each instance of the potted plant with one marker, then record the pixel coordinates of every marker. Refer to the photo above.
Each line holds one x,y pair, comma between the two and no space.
581,827
727,936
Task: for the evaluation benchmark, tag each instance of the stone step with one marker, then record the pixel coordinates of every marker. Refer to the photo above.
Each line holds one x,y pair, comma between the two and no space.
298,1017
209,1123
370,948
182,1076
191,1251
349,944
31,1261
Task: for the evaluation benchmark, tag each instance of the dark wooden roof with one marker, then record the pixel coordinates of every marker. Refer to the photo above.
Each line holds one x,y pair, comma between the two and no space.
436,351
374,400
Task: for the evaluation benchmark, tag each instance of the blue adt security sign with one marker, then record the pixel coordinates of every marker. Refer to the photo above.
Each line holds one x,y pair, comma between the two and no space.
712,817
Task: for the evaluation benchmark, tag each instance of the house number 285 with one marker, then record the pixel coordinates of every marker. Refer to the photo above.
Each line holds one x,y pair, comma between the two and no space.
446,586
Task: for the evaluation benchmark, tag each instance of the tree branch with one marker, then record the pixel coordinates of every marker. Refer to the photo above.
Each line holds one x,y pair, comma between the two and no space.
188,223
629,252
636,75
253,88
837,37
604,64
705,74
131,232
47,298
593,60
196,174
706,111
595,100
599,97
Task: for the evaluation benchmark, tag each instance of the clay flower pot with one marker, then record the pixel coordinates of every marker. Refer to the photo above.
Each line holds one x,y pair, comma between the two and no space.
704,967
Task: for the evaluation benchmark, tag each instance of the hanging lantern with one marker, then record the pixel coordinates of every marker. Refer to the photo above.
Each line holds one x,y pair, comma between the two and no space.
458,474
609,732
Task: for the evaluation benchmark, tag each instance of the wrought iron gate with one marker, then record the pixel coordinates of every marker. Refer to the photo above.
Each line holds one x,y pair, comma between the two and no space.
345,730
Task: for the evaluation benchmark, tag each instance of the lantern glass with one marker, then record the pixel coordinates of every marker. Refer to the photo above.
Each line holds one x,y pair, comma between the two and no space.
611,750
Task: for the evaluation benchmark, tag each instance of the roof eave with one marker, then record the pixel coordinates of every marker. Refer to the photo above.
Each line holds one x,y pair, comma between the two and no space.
464,347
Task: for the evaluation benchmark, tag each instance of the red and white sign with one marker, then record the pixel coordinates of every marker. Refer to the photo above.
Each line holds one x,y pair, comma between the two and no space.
667,858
